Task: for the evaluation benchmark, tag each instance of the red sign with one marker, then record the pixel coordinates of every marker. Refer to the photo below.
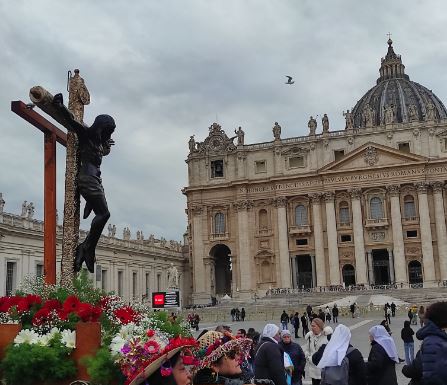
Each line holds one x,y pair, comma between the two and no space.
158,300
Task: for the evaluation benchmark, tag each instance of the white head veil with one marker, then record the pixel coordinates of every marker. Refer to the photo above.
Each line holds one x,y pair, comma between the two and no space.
336,348
382,337
270,331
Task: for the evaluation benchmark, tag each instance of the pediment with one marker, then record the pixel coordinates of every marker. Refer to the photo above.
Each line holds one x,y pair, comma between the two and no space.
372,155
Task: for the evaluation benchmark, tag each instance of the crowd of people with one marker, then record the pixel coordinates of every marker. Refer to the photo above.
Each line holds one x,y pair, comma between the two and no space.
325,357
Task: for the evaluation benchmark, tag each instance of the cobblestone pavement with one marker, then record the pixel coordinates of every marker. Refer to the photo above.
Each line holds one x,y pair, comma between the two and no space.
359,329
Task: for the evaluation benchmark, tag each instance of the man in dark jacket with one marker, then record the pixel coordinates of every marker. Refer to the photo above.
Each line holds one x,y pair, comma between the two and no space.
304,324
284,320
335,313
296,354
269,356
434,346
296,324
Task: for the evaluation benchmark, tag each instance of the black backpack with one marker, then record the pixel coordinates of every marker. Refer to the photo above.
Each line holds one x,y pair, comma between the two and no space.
337,375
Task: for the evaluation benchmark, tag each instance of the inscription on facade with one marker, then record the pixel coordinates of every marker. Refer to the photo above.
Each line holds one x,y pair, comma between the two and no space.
376,175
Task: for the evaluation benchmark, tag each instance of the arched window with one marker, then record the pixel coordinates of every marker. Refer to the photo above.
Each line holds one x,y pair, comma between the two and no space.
219,223
376,208
263,220
300,215
409,207
343,213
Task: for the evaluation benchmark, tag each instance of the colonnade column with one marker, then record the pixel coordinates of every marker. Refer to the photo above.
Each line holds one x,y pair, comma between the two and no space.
198,253
331,229
283,241
359,242
400,268
441,235
426,239
318,238
246,270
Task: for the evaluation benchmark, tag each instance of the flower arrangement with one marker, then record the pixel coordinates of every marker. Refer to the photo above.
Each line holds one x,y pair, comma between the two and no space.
48,315
36,358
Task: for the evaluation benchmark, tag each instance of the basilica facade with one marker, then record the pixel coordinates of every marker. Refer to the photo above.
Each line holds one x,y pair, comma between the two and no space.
360,206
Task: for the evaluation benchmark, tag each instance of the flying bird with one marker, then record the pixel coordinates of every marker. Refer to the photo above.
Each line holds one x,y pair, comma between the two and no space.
289,80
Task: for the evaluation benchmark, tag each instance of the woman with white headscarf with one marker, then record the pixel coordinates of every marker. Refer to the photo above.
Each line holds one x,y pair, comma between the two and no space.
312,342
269,356
381,365
337,349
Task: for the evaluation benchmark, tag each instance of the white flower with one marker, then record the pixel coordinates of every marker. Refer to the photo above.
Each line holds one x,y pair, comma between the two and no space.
44,340
68,338
26,336
53,332
117,343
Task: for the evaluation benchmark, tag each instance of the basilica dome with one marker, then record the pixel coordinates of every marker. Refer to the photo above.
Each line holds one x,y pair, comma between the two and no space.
395,98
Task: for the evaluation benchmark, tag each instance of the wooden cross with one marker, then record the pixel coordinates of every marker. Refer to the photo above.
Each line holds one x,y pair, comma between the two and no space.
389,36
52,134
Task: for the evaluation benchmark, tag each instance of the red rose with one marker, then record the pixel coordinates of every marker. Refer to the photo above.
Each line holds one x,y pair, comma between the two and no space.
41,316
84,311
95,313
150,333
52,304
23,305
33,299
62,314
71,304
126,315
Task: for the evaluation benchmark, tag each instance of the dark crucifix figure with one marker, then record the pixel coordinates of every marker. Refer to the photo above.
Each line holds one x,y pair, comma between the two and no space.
94,143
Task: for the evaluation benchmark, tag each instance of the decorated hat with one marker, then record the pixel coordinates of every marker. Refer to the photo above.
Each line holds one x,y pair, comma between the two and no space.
213,345
141,356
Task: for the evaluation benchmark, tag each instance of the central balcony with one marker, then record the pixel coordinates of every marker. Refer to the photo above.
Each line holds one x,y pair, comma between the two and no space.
376,223
300,229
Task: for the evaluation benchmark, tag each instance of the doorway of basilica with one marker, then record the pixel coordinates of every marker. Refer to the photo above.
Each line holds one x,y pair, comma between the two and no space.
348,273
304,271
221,255
381,266
415,272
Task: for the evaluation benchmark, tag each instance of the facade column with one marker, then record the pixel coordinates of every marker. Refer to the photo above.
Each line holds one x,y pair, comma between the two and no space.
294,272
318,238
283,241
198,253
441,235
314,274
370,267
391,262
331,230
398,239
359,242
426,238
246,270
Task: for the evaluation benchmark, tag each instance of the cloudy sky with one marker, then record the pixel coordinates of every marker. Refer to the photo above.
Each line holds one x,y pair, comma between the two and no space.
168,69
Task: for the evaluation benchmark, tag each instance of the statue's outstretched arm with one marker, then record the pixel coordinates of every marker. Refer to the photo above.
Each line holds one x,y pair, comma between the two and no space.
70,122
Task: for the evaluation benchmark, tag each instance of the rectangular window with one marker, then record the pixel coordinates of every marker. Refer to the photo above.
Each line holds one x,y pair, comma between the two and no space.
338,154
158,282
404,147
134,285
147,283
412,234
98,273
104,280
345,238
260,166
217,168
39,270
296,161
301,242
120,283
11,276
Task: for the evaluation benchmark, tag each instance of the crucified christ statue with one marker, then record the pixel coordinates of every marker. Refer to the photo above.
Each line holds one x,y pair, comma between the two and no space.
94,143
